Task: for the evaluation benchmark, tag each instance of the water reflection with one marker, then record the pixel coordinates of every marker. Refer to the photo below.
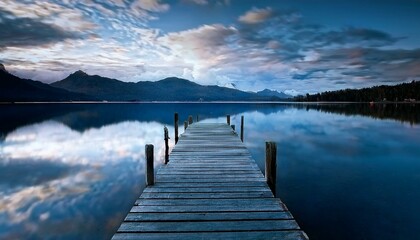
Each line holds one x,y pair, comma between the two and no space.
72,171
56,181
356,175
405,112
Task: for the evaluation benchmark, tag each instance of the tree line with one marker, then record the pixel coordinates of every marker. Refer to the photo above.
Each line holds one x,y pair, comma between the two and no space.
397,93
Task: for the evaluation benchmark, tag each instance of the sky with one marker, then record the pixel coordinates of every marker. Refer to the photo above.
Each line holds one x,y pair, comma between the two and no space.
295,46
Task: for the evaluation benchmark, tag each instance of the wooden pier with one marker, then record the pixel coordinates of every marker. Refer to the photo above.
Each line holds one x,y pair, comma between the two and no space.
210,189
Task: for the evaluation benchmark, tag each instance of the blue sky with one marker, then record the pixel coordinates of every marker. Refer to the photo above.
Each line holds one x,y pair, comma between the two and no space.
296,46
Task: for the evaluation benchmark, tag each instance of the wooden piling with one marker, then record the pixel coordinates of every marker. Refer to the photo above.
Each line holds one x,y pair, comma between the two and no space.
185,125
197,119
150,172
228,119
271,165
242,128
190,120
166,137
176,127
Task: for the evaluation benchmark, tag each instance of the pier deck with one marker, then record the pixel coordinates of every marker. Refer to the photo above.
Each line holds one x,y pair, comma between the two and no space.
210,189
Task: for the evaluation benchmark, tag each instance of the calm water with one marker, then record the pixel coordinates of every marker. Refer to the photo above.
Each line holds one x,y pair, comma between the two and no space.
72,171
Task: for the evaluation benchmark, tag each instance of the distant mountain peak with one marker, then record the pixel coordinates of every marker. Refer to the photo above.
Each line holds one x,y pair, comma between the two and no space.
274,93
175,80
79,73
230,85
2,68
266,90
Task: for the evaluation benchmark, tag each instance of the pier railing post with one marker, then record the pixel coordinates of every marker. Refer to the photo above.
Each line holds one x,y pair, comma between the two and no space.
185,125
242,128
166,137
228,119
190,119
176,127
150,172
271,165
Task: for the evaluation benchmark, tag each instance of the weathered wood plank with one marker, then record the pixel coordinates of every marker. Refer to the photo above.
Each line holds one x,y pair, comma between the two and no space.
205,161
206,189
212,216
209,226
274,235
162,178
208,202
210,208
212,184
215,163
217,195
207,167
210,146
199,176
211,172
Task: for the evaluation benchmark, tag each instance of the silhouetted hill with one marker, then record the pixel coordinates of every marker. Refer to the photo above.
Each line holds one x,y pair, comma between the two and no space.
183,90
100,87
168,89
14,89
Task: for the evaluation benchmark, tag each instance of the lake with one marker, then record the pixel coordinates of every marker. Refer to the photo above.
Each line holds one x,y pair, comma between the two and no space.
345,171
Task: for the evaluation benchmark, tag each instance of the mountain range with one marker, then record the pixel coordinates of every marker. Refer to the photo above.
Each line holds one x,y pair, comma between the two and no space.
81,86
13,88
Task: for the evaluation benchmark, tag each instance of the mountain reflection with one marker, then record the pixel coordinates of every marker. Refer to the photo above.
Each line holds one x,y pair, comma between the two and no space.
73,171
84,116
55,180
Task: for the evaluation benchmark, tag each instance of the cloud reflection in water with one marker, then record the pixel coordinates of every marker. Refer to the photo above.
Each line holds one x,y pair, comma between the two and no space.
59,181
360,174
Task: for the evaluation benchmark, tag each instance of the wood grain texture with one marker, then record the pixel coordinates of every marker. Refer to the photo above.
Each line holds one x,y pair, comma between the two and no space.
274,235
210,189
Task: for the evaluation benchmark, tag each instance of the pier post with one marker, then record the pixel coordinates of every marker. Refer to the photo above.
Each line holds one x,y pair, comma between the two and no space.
242,128
271,165
233,127
185,125
197,118
190,119
150,172
176,127
166,137
228,119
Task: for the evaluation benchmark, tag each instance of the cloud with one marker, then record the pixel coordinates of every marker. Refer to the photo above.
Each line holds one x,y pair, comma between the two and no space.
110,38
198,2
204,47
212,3
150,5
256,15
354,36
292,92
40,23
64,17
262,48
283,52
383,65
29,32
